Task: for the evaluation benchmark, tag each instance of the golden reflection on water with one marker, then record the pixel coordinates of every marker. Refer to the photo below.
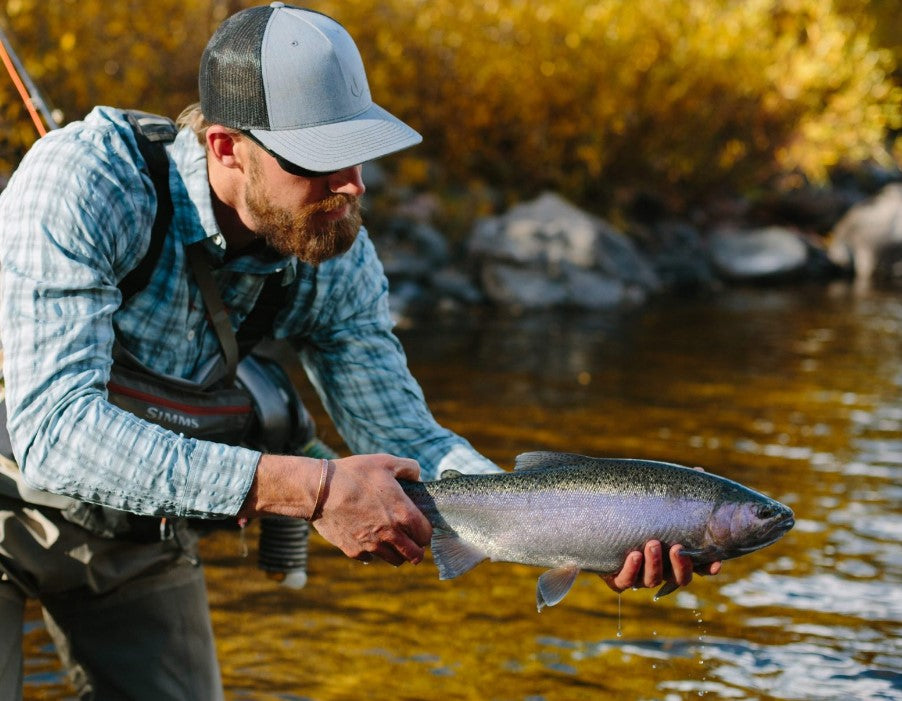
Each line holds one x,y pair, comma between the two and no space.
795,393
377,632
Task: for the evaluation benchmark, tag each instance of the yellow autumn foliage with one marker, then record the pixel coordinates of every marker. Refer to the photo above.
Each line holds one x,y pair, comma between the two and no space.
682,98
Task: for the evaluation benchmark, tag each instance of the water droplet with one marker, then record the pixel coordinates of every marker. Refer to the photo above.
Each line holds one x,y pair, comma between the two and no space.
619,615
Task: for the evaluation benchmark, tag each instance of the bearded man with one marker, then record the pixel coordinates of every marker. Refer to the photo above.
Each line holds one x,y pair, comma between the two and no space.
264,180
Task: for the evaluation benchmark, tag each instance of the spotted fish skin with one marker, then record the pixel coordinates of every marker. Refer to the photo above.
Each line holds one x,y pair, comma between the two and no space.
570,513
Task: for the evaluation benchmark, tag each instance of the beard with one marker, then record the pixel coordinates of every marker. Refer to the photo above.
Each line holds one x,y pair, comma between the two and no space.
297,232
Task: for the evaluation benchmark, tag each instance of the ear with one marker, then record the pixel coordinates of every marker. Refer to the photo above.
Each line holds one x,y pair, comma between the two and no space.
224,146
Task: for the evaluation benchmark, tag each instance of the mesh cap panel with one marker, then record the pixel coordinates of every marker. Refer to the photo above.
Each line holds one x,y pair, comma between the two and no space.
231,78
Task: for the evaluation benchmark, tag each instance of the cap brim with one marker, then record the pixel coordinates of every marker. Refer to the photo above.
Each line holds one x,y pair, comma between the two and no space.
327,147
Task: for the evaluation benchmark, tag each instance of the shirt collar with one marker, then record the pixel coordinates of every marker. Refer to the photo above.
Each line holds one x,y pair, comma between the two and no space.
190,160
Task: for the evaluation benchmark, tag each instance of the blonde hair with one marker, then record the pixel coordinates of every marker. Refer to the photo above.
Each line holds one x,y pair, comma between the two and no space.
192,118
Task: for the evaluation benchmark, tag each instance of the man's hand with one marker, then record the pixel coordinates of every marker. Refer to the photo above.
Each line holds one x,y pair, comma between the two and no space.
362,508
633,574
366,513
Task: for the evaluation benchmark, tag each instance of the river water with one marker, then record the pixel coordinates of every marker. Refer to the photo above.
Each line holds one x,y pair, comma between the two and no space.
795,392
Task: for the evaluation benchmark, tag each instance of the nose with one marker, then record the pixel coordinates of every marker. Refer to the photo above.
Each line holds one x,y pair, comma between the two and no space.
348,181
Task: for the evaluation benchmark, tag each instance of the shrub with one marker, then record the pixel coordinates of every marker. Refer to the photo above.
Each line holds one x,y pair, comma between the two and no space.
679,98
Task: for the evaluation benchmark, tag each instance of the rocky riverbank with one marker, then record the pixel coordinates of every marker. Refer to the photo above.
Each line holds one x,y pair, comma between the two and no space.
547,252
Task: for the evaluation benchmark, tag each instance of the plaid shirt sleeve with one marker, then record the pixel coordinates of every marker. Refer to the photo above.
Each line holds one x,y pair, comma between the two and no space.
74,220
70,228
360,371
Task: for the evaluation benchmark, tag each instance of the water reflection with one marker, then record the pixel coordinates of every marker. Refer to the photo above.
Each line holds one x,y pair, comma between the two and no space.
797,393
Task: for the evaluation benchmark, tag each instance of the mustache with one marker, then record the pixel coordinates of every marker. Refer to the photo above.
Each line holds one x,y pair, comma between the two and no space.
334,201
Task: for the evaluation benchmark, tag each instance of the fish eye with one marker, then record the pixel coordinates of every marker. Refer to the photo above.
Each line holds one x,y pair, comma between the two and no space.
767,511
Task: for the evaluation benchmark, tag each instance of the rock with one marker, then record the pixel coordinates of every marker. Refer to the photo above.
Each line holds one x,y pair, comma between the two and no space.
867,241
771,253
449,283
411,250
548,253
678,255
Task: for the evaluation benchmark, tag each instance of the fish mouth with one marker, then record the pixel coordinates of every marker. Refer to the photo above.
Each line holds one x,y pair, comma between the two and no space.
776,531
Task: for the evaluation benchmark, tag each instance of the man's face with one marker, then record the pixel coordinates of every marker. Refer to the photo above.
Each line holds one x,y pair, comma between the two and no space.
315,224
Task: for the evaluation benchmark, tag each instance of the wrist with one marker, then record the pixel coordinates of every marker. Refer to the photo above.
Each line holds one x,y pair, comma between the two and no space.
322,492
286,485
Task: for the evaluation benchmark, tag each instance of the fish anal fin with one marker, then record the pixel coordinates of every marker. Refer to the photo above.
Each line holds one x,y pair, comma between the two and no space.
453,556
553,585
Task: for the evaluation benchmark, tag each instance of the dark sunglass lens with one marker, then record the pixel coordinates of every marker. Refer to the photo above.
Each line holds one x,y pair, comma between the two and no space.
288,166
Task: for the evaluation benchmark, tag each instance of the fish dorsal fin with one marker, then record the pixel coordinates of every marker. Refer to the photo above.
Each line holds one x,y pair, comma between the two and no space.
453,556
450,474
553,585
545,460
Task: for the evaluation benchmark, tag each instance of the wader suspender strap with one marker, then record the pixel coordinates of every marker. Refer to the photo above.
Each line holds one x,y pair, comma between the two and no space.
203,276
152,132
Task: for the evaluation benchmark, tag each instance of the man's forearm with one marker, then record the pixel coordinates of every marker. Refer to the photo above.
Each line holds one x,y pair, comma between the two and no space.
284,485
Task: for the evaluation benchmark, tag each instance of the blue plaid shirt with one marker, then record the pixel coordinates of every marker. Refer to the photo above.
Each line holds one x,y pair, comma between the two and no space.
74,220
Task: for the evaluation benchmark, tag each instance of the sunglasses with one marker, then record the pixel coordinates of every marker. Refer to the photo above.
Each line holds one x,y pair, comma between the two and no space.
288,166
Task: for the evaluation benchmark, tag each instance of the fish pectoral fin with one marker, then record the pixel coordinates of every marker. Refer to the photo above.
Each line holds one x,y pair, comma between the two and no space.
553,585
668,588
453,556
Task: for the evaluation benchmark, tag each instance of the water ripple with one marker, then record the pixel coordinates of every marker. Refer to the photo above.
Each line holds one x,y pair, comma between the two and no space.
870,600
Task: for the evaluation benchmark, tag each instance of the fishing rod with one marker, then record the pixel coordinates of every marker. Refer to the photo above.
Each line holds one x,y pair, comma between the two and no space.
28,91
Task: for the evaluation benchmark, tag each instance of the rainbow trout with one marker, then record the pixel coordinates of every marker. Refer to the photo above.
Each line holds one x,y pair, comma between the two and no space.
571,513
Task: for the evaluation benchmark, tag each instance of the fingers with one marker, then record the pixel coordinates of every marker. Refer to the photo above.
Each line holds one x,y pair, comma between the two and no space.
653,573
681,565
715,568
712,569
647,568
406,469
626,577
367,514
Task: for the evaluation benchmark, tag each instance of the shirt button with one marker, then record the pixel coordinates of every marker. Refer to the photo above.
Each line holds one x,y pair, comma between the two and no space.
191,335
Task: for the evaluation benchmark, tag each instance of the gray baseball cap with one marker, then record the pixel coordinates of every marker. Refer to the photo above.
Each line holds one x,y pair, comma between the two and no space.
294,79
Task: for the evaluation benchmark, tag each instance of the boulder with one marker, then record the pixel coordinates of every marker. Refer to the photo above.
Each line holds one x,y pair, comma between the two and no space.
771,253
549,253
678,254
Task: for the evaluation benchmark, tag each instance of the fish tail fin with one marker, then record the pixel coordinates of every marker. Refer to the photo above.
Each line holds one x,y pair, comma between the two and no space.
553,585
453,555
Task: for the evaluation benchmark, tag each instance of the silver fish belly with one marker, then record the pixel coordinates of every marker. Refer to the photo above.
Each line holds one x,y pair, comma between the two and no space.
571,513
